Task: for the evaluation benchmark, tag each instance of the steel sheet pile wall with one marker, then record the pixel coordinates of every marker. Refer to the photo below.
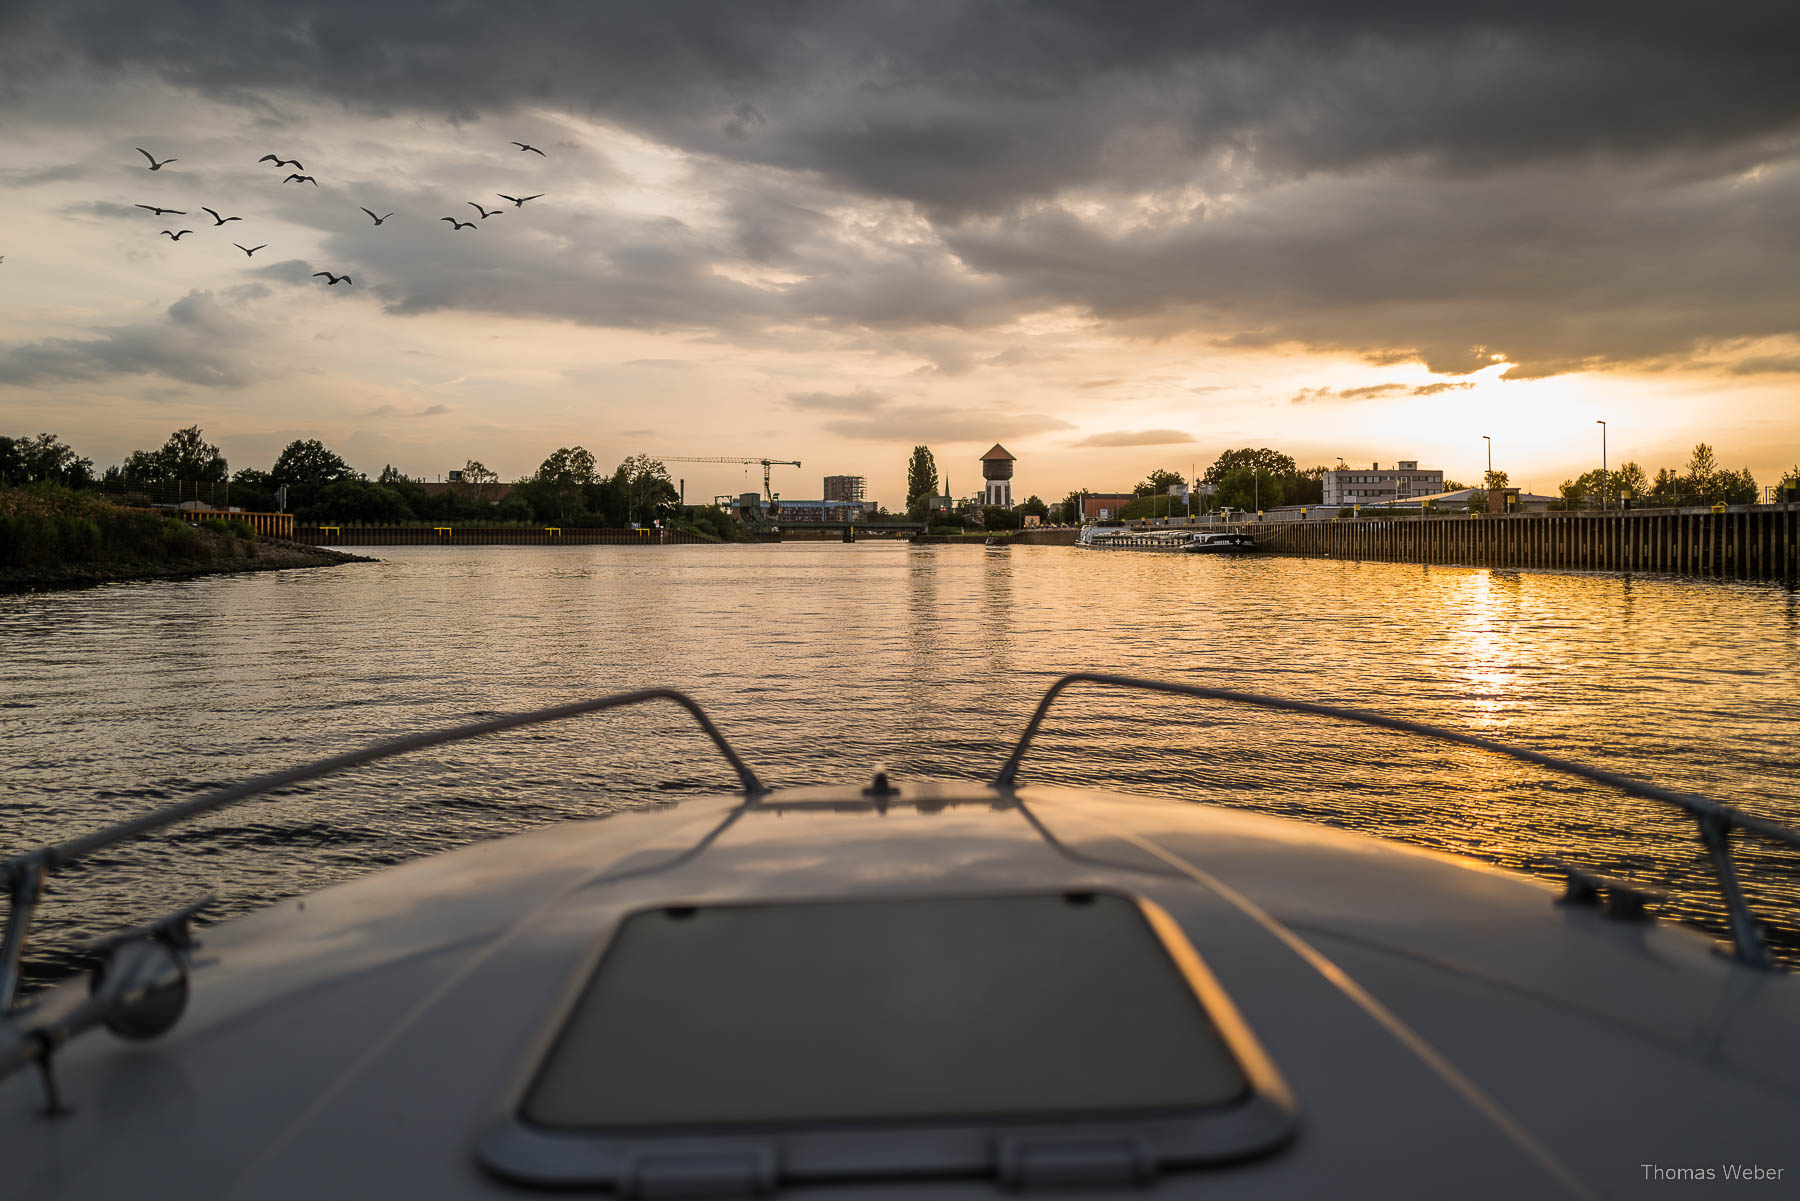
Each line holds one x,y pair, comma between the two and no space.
413,535
1742,544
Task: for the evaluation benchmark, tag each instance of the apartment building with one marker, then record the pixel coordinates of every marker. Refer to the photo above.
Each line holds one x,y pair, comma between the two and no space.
1403,481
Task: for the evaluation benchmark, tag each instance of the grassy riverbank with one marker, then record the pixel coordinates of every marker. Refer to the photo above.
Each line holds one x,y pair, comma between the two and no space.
54,538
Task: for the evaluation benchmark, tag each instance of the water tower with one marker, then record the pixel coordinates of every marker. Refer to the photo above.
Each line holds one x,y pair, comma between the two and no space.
997,469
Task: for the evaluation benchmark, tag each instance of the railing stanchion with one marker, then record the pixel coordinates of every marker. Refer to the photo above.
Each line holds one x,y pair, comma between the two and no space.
23,889
1746,937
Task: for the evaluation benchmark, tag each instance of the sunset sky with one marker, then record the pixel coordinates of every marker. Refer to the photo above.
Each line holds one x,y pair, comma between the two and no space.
1113,237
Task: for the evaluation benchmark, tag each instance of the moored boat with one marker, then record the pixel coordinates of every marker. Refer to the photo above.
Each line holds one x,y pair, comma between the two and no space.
1222,544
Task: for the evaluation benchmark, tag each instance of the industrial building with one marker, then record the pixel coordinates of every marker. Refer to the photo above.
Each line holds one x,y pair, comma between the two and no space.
1104,506
1403,481
846,488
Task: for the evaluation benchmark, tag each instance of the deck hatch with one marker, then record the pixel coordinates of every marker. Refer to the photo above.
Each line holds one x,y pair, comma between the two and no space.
893,1037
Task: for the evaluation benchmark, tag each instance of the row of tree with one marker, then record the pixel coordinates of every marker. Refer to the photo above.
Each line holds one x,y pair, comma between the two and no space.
1247,478
1702,482
318,485
1239,479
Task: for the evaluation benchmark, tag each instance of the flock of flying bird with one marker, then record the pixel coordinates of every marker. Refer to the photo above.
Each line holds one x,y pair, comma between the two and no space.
330,278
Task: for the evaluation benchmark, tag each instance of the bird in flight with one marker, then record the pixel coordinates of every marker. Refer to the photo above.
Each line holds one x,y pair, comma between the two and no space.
331,279
456,225
523,148
485,213
282,162
248,250
301,179
518,201
218,220
154,165
175,237
160,212
373,217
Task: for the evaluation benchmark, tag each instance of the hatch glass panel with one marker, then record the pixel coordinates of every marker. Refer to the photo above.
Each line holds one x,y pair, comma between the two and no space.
1040,1038
883,1010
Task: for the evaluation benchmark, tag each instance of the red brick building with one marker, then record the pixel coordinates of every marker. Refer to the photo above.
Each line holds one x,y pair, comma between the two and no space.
1104,506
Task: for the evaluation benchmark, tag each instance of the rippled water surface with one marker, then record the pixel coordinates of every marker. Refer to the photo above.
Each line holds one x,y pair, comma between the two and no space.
822,661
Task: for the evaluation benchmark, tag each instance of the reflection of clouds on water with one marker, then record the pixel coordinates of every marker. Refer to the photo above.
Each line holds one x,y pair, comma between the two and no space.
821,660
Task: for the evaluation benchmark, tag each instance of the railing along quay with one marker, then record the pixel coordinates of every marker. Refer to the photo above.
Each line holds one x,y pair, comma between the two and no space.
1748,543
269,525
471,535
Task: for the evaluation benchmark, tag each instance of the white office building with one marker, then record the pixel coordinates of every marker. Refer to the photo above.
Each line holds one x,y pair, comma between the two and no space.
1403,481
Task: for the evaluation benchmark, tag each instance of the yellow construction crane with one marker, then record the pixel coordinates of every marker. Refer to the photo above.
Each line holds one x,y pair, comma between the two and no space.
766,464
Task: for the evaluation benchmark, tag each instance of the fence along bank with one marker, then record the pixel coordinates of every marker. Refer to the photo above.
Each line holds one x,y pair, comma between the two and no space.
1749,542
472,535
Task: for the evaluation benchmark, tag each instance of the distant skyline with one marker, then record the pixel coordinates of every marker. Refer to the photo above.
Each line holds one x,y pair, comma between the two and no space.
1115,238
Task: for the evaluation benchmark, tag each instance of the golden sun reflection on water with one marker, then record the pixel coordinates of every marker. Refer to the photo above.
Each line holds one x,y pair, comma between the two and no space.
821,661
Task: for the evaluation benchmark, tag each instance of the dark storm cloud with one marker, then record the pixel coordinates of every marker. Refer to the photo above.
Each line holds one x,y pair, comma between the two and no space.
972,105
1377,392
969,107
1558,271
1787,364
1570,185
199,342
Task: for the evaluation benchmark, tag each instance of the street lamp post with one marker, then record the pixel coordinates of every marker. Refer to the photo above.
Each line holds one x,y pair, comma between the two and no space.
1490,450
1605,479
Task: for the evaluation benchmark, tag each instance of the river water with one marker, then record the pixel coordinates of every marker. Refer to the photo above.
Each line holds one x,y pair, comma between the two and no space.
822,661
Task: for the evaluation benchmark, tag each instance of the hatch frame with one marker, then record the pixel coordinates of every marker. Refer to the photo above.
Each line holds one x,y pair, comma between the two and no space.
1115,1146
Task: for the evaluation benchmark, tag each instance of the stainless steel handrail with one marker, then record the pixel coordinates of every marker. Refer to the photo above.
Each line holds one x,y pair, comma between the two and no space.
23,875
1715,821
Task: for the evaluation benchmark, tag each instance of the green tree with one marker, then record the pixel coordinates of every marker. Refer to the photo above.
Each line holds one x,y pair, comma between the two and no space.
1494,479
1035,507
570,465
1700,482
476,472
1306,488
921,476
308,464
141,469
1263,461
252,489
1736,487
358,502
1667,488
45,458
1069,512
1159,482
1589,490
1247,487
995,517
558,491
188,457
648,491
1630,479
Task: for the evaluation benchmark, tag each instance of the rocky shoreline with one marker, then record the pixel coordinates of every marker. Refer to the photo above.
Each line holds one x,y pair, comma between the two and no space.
271,555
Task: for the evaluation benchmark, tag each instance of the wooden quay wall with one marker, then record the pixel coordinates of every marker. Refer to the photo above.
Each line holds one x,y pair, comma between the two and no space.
1744,543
